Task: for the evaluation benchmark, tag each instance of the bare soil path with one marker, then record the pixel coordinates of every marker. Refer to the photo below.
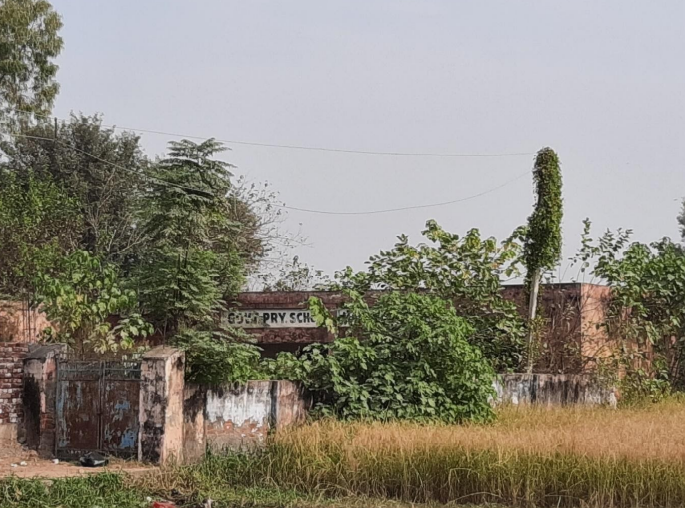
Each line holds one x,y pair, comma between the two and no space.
13,455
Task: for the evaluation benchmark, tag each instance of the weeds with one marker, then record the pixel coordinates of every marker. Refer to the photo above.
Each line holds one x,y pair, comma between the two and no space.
103,490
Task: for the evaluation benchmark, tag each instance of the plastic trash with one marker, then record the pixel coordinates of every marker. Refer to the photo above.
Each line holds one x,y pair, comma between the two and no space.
93,459
163,504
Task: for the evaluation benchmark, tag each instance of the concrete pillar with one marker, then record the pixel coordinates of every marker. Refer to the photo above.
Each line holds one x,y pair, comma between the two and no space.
161,406
290,403
194,441
40,394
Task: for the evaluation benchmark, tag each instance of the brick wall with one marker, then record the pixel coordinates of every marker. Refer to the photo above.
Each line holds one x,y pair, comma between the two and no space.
570,343
11,381
275,340
18,323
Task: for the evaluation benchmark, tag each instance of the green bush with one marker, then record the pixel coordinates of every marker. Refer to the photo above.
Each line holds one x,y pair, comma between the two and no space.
217,357
405,357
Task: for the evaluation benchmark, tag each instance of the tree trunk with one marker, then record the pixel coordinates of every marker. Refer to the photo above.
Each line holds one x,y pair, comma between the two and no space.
532,311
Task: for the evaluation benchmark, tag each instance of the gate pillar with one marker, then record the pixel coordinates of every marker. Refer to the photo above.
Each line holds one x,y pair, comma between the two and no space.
161,406
39,394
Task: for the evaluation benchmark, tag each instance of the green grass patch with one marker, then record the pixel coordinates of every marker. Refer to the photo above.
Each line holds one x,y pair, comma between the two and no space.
103,490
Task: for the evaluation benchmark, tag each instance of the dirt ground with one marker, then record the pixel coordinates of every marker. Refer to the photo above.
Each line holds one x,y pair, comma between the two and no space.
13,455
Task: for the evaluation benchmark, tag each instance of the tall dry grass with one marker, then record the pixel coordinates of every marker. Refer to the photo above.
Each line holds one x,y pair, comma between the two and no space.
542,457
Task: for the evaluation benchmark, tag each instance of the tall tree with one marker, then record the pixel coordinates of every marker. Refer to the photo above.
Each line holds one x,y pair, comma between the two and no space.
681,221
29,43
103,170
195,260
542,245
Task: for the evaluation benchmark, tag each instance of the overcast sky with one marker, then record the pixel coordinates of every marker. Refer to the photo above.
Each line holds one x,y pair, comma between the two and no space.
603,83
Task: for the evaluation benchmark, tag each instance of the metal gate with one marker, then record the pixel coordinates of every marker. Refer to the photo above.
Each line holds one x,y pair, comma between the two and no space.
97,408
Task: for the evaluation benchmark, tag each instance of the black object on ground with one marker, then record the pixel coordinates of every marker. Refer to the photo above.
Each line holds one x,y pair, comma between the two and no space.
93,459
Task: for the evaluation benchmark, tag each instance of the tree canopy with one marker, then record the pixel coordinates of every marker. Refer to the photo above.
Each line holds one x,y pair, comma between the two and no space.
29,43
174,231
104,171
467,271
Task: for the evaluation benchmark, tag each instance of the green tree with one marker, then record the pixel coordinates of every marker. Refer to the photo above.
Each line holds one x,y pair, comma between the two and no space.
189,195
542,245
407,356
106,172
195,261
646,312
179,288
205,237
681,221
80,296
214,357
29,43
39,223
466,271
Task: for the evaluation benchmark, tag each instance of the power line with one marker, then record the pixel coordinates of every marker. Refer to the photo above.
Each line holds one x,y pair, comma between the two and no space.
308,148
293,208
333,150
414,207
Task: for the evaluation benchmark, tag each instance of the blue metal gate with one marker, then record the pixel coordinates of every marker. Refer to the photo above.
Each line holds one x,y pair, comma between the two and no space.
97,408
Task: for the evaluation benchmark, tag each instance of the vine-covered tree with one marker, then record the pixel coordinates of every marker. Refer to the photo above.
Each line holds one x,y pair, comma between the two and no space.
29,43
542,245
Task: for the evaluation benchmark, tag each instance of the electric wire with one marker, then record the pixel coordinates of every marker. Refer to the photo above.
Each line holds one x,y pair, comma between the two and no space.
283,206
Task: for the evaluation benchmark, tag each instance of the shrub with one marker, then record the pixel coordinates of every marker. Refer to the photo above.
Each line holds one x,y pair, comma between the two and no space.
219,356
405,357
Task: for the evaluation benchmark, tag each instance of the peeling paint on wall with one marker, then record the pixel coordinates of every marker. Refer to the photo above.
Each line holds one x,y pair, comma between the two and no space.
552,390
239,406
241,416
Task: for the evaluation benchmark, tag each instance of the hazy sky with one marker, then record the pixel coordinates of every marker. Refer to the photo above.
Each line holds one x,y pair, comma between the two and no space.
603,83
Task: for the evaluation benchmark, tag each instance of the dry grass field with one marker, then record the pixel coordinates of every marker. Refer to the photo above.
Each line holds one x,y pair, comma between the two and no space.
543,457
648,432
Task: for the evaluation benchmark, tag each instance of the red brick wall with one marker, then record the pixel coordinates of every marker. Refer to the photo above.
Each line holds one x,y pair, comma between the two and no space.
11,381
569,343
287,300
19,323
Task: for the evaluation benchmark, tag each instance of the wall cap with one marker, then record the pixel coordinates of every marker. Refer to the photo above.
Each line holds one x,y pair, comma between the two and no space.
162,353
42,352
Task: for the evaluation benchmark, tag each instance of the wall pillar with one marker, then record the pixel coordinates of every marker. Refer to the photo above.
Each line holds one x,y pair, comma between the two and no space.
194,441
290,403
40,394
161,406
